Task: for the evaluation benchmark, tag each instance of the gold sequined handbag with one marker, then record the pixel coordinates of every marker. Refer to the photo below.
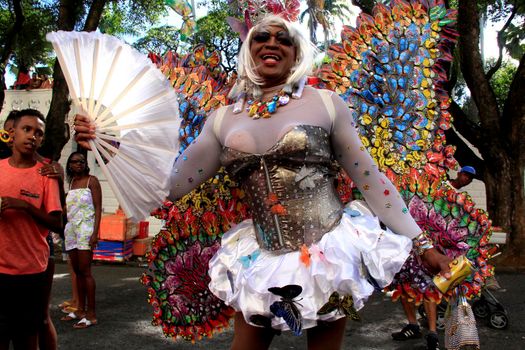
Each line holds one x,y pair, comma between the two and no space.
460,325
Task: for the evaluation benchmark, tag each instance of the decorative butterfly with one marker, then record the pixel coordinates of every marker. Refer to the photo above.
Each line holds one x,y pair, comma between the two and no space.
305,255
247,260
317,253
184,9
286,308
344,305
353,213
202,57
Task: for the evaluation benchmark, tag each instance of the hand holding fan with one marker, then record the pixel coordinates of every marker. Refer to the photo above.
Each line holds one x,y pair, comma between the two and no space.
134,110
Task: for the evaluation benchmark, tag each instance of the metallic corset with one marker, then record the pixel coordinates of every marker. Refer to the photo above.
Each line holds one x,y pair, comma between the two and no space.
290,188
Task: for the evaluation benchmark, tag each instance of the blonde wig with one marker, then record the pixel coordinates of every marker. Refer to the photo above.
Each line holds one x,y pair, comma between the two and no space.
249,82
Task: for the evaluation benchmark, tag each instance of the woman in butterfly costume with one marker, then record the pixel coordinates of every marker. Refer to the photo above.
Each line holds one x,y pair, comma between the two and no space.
283,142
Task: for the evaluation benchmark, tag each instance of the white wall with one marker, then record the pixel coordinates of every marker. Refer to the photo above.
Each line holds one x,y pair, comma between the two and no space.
477,191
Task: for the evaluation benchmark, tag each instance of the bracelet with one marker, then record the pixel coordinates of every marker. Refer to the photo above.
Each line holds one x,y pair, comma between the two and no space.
422,243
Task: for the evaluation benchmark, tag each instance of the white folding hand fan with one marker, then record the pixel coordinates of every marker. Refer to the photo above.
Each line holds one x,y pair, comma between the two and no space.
135,111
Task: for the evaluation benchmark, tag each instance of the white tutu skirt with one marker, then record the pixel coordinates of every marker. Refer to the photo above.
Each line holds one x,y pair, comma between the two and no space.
241,272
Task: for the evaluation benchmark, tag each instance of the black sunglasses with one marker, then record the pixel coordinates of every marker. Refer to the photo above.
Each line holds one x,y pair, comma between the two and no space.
282,37
79,161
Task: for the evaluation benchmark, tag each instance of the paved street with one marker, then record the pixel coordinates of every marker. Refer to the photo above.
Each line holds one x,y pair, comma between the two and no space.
124,319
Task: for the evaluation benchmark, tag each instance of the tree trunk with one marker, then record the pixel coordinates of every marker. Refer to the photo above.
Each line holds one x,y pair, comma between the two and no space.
498,138
57,133
513,125
506,204
95,12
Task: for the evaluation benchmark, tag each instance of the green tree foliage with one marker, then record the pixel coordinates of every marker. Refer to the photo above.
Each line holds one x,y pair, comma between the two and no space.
216,34
159,40
31,48
131,17
324,13
501,81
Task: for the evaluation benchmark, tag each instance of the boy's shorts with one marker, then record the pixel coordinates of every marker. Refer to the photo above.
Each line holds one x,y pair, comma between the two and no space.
22,304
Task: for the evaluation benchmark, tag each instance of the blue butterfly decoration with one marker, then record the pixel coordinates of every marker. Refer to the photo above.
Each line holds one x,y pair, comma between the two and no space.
247,260
353,213
287,308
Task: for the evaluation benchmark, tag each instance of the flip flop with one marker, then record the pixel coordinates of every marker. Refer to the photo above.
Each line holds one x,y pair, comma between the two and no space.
70,317
84,323
64,304
69,309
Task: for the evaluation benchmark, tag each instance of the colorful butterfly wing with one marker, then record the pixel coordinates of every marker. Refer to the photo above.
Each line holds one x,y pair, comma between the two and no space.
290,313
181,7
347,307
195,223
331,305
391,70
386,69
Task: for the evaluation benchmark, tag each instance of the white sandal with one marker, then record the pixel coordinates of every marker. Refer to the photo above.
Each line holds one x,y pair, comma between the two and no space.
84,323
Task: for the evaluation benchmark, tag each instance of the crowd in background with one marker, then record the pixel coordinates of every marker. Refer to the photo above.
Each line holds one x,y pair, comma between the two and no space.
25,81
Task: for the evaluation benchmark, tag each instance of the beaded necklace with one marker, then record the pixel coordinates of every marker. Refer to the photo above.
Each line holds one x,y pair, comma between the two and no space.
265,109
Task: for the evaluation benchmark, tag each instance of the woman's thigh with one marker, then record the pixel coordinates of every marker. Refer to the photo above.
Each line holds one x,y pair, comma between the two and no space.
247,337
85,257
327,335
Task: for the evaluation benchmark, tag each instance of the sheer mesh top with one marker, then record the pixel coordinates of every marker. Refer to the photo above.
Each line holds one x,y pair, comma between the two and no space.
290,188
276,142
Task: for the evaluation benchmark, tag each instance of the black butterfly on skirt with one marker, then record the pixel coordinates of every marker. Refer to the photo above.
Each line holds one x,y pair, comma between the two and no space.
344,305
286,308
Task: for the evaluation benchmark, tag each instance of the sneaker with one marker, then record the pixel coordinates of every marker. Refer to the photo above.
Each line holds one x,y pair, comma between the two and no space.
432,341
410,331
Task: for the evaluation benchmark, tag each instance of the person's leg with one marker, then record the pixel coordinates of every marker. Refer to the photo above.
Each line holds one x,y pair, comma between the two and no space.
81,290
29,316
432,337
73,302
47,335
327,335
5,305
74,285
247,337
431,311
85,258
26,341
410,310
411,330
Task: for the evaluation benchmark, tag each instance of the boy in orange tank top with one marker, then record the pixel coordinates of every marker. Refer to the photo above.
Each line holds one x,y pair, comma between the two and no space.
29,208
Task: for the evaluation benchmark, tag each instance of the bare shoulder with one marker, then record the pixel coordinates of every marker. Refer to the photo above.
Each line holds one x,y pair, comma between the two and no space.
93,180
